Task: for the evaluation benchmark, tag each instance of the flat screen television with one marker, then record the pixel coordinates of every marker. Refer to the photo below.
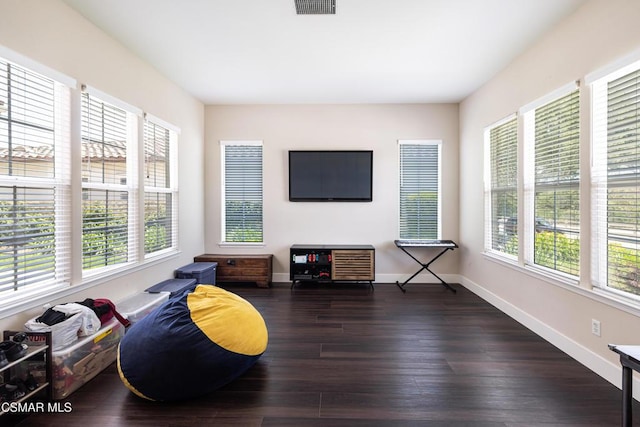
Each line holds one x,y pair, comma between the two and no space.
330,175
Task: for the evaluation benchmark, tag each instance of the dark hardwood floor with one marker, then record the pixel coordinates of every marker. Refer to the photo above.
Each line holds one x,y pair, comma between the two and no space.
344,355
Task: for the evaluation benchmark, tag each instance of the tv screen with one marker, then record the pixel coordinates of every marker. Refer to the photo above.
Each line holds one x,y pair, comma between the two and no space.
330,176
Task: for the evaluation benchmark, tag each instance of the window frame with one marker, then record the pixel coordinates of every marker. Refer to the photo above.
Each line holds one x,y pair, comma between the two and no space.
600,178
170,188
404,211
495,229
59,181
128,188
530,231
225,240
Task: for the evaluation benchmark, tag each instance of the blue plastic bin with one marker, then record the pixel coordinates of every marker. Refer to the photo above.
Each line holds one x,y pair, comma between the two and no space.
203,272
173,286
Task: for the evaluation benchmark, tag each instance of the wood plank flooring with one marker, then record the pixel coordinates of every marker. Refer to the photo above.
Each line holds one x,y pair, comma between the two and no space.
346,355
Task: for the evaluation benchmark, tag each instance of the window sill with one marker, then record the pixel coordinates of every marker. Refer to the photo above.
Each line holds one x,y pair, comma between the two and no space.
33,301
241,245
613,299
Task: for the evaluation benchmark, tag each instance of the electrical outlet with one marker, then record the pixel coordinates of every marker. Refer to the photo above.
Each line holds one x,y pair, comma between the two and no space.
595,327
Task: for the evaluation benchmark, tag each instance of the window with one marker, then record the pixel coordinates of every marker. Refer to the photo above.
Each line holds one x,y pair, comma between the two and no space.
242,191
420,189
501,187
34,183
36,190
160,189
552,181
616,181
108,185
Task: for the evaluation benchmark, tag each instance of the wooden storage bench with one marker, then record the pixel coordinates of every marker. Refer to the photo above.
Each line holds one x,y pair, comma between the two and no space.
241,268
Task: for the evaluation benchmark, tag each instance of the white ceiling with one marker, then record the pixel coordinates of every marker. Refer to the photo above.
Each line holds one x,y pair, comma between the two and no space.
370,51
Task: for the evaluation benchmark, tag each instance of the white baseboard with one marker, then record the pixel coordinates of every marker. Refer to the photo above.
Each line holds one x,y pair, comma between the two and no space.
390,278
424,277
601,366
280,277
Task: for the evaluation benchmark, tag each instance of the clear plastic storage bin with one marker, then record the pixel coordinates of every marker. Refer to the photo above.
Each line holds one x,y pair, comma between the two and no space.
76,364
137,306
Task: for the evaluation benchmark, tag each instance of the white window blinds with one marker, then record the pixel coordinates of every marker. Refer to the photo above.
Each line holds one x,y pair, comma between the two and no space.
552,183
616,181
501,187
108,181
419,189
160,194
34,182
242,192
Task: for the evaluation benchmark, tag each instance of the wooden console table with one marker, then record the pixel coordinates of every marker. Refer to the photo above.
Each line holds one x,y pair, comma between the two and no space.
241,268
332,263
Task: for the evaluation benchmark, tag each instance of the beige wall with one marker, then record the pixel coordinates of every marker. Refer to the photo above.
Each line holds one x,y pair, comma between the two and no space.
51,33
597,34
370,127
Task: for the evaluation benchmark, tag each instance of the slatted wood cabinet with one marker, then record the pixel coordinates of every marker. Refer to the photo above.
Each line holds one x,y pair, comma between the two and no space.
332,263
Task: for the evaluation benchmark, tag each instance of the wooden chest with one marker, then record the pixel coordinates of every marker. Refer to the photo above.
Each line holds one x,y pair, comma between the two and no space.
241,268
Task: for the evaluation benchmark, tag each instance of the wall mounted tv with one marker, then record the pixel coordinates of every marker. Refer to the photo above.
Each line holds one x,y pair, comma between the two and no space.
330,176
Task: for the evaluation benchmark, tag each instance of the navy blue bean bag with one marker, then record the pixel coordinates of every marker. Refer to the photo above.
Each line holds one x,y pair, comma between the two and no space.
192,345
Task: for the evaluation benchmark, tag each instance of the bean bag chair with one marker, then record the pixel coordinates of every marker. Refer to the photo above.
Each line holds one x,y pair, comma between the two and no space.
191,345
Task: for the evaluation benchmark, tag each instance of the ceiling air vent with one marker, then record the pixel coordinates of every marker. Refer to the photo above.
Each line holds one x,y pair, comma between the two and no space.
315,7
